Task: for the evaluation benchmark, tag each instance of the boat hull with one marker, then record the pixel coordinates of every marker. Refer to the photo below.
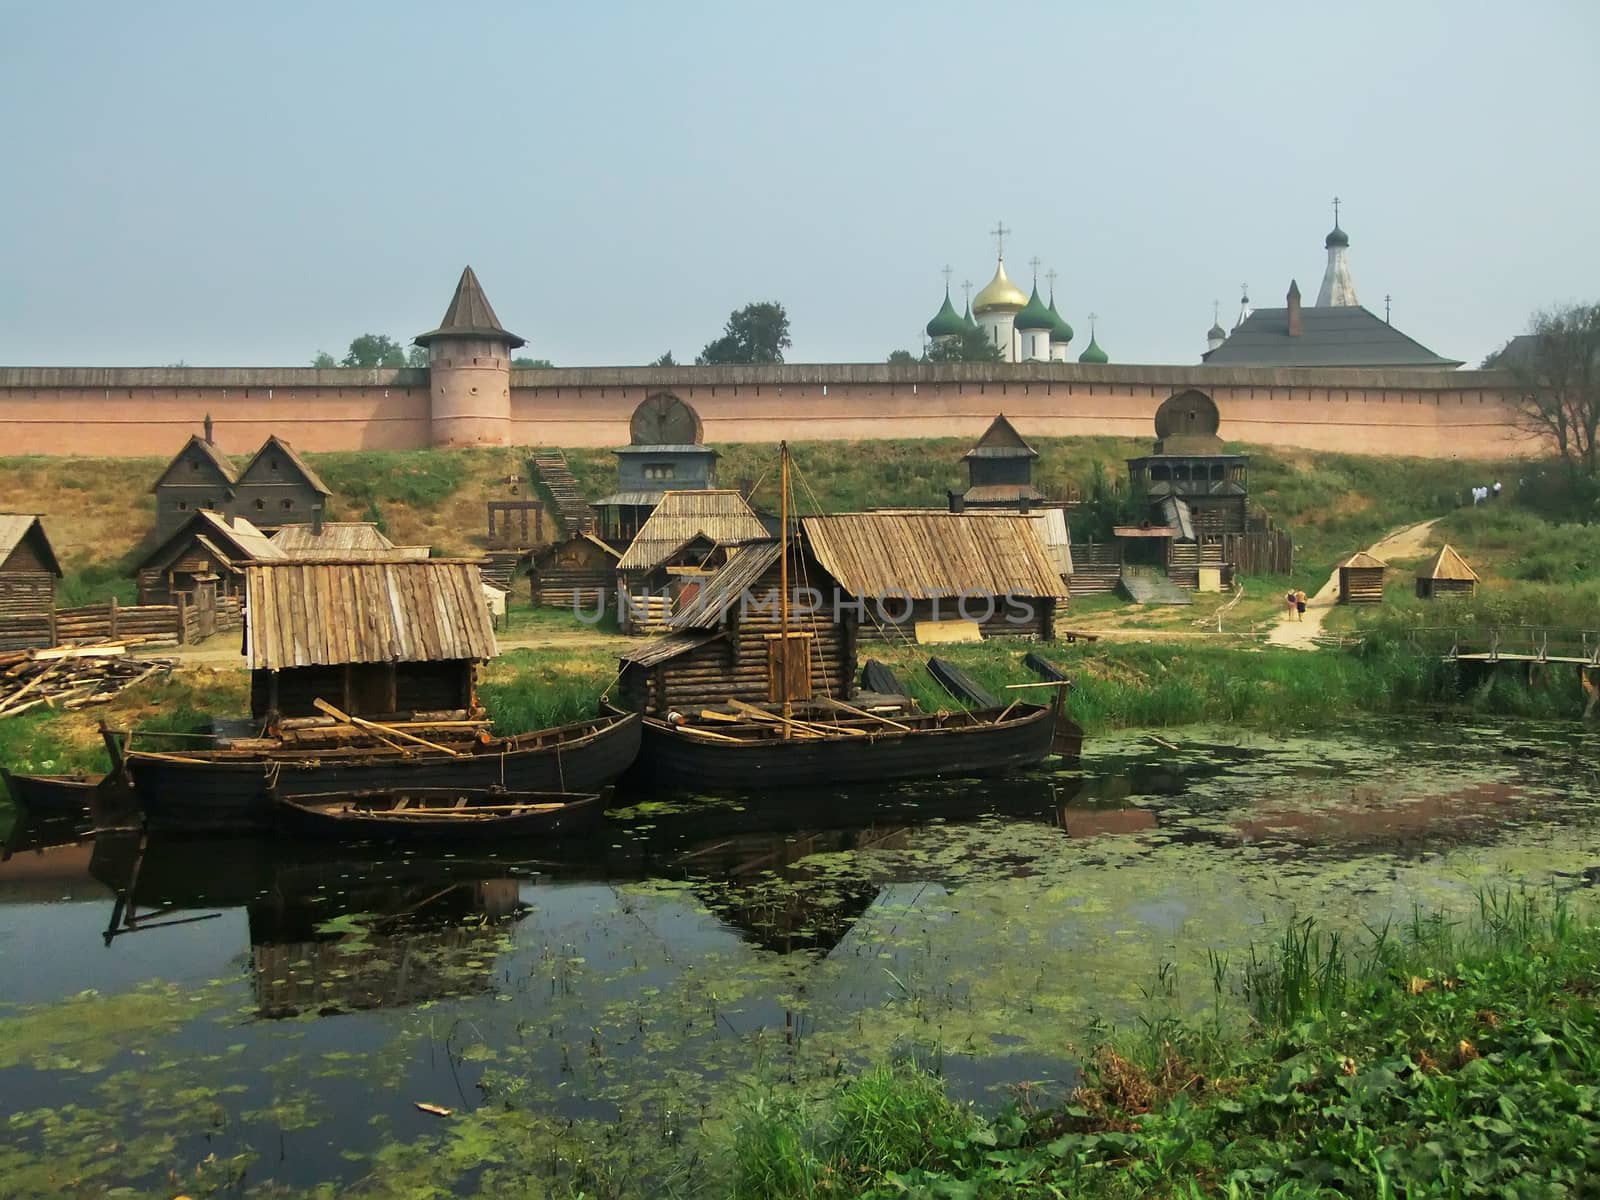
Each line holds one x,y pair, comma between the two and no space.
673,759
225,793
343,819
53,795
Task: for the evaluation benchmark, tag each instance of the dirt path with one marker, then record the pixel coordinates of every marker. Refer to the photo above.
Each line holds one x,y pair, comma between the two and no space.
1408,542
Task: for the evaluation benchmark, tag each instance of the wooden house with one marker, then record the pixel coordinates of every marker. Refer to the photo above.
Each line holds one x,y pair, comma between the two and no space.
999,471
664,453
920,569
727,644
687,538
375,639
200,478
343,540
203,560
1446,575
277,487
28,574
578,574
1361,579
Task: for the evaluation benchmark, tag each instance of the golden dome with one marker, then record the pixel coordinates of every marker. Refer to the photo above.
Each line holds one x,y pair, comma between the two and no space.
1001,295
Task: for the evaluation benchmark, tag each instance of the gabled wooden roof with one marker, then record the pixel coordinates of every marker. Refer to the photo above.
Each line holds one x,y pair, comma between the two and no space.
237,540
305,614
1362,559
924,555
274,443
220,463
1447,564
1001,440
720,515
17,527
336,537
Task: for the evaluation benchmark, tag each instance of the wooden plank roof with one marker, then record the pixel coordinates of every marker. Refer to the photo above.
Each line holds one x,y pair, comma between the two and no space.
744,568
15,527
336,537
237,540
220,462
718,514
1447,564
290,454
929,555
1001,440
664,649
1361,559
305,614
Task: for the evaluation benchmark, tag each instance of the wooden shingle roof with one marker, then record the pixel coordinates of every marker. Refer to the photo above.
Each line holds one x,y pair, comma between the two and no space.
220,462
236,539
304,614
290,454
1001,440
720,515
336,537
1362,559
1447,564
929,555
15,527
470,315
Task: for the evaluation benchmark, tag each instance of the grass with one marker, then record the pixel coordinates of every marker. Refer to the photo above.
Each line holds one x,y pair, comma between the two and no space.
533,689
1442,1058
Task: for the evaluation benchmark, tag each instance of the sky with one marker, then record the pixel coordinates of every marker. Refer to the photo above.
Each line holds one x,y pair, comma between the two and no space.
245,185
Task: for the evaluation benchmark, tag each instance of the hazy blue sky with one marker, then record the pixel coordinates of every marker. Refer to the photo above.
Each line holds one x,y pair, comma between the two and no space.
232,184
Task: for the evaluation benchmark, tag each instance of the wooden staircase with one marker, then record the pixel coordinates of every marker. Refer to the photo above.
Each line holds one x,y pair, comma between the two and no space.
1150,585
499,566
572,510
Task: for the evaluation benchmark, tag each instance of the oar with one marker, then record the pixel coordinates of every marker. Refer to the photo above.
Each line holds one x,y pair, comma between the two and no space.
323,706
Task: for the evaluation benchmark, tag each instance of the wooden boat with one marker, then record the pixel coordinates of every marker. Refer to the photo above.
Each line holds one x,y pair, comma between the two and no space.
53,795
720,756
228,791
442,813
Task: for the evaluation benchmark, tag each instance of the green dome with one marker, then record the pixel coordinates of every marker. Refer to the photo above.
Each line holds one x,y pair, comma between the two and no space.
966,318
1337,237
1062,332
1034,314
1092,353
946,322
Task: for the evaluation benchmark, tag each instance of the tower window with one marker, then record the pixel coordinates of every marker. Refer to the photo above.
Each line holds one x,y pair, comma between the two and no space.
288,505
658,471
260,504
183,506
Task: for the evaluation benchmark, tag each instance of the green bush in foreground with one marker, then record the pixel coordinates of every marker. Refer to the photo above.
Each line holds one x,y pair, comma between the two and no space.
1441,1059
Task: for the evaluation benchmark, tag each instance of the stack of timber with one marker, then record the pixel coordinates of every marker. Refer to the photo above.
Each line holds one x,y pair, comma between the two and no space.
71,677
447,727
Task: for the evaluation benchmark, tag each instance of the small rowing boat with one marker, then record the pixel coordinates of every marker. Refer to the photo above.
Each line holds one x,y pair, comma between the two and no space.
437,814
53,795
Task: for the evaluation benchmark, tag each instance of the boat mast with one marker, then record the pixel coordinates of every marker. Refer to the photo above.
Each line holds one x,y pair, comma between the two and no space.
783,583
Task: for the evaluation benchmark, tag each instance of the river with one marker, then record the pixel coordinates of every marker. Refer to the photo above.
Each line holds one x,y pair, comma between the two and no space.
264,1017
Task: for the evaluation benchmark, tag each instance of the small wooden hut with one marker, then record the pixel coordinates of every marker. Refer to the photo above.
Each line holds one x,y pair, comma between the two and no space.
1361,579
920,569
687,539
1446,575
999,471
28,574
579,574
202,560
375,639
725,643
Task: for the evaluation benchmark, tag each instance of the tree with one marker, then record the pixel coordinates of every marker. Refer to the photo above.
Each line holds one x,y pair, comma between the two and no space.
324,359
973,346
756,333
902,357
1556,384
375,350
416,356
1104,507
666,360
531,364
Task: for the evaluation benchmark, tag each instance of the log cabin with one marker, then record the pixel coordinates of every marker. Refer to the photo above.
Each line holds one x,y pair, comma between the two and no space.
1445,576
207,553
28,574
1361,579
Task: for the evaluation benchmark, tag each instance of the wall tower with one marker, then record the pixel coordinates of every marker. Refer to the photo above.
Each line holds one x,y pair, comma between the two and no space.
469,371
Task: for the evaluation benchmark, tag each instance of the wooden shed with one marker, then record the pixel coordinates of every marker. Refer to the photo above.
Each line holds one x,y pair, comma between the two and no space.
687,539
1446,574
1361,579
376,639
202,560
920,568
725,643
578,574
28,574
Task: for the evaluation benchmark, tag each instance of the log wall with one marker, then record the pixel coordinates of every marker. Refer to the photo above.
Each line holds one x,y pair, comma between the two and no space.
27,610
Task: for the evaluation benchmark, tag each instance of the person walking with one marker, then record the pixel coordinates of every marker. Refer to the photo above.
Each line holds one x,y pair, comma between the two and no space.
1289,602
1496,489
1300,606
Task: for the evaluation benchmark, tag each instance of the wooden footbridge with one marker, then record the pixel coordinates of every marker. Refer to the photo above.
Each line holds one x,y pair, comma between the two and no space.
1531,647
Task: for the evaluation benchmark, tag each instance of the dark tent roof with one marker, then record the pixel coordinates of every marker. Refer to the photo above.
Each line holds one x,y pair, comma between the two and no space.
1001,440
226,471
1345,336
469,315
274,442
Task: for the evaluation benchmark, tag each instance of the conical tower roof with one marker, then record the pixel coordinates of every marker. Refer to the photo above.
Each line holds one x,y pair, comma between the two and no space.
470,315
999,294
1001,440
1449,565
946,322
967,320
1034,314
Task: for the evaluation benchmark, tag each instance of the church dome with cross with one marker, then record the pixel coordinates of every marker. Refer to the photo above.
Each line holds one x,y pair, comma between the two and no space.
1025,328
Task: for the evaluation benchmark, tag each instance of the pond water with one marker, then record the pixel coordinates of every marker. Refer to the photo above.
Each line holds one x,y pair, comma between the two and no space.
260,1016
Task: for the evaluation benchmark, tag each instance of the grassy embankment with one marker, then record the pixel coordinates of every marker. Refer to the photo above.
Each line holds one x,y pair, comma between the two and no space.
1442,1059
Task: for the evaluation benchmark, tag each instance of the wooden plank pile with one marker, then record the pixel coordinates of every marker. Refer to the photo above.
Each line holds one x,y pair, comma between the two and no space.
71,677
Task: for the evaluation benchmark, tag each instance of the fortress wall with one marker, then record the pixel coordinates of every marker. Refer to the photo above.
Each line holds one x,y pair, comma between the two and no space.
85,411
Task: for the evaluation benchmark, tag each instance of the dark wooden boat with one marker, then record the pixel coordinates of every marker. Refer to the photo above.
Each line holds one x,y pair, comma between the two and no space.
231,791
53,795
724,756
442,813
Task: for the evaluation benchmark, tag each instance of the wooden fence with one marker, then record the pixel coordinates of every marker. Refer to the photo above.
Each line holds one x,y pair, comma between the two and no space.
1260,552
1096,568
185,622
